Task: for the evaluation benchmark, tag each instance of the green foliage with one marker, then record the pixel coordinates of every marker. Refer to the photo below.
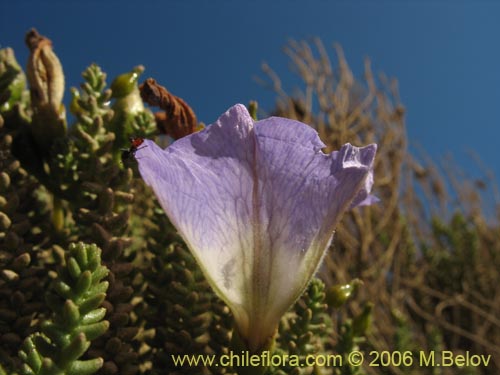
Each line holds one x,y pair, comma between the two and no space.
306,329
74,191
12,81
75,297
24,214
453,245
180,300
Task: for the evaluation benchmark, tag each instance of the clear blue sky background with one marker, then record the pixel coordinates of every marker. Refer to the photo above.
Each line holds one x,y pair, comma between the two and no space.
445,54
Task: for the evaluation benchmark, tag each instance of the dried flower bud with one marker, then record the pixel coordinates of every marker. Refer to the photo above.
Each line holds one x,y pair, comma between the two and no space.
45,72
178,120
46,80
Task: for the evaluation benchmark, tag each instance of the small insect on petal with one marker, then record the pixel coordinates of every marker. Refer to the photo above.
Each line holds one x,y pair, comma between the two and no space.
135,145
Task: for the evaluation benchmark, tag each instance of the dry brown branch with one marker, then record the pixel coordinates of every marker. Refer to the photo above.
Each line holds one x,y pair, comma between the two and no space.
492,349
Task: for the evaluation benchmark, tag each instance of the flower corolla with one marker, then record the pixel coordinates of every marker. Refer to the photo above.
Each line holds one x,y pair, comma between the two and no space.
257,203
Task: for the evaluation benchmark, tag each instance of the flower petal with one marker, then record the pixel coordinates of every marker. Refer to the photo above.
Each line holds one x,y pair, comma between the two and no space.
257,203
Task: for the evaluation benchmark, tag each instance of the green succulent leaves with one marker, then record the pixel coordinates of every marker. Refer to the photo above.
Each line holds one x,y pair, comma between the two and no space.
12,80
75,297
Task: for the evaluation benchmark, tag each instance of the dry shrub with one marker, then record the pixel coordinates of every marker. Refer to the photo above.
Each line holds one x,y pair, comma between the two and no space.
428,254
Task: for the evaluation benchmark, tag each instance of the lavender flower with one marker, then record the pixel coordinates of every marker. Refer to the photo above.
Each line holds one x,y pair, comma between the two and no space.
257,204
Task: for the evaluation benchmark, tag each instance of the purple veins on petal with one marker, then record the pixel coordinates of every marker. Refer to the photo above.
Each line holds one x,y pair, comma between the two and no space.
257,203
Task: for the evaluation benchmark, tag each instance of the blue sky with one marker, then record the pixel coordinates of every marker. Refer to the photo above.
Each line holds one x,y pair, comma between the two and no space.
445,54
